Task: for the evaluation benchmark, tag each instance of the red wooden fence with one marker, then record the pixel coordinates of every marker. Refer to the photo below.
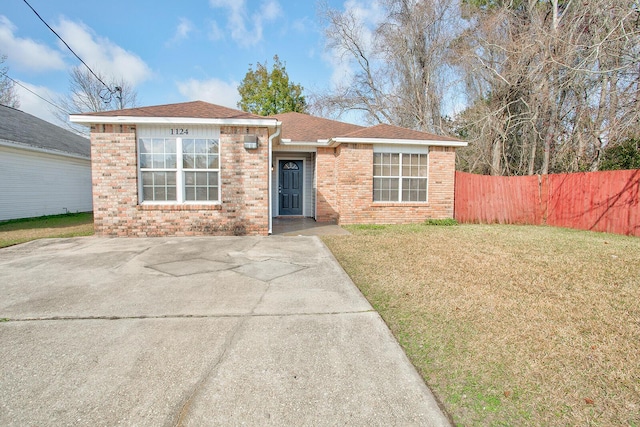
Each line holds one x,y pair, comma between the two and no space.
598,201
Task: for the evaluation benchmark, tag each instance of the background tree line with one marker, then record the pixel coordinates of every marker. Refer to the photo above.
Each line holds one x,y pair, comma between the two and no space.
534,86
547,85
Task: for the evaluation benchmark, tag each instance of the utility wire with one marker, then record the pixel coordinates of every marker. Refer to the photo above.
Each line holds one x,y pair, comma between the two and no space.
27,89
111,92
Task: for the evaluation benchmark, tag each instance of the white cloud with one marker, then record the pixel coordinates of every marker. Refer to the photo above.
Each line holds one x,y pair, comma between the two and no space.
238,15
215,33
32,104
184,28
213,90
366,16
101,54
27,54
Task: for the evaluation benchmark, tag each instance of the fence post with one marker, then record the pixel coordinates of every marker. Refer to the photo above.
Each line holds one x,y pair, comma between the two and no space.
543,191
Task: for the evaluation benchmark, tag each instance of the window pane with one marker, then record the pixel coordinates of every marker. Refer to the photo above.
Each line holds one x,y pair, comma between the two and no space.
171,178
200,146
157,145
213,193
213,146
145,145
385,189
159,193
147,193
147,178
201,186
171,194
213,162
158,161
146,160
201,161
187,146
189,178
395,164
159,178
188,161
189,193
201,193
171,161
201,178
414,189
170,146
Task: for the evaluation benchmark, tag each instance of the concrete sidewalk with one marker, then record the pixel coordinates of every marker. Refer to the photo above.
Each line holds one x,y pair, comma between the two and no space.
196,331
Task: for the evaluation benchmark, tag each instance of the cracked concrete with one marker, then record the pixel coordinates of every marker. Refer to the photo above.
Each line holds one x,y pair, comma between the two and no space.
196,331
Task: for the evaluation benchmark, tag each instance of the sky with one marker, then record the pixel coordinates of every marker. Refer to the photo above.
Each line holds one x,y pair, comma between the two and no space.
169,51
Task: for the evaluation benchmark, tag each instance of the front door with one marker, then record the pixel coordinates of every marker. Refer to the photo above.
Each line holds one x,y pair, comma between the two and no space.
290,187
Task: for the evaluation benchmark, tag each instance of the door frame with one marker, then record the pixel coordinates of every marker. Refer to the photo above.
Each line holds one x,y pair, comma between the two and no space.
304,180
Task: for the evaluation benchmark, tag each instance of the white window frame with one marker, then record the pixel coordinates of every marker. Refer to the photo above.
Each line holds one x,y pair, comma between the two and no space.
402,150
166,133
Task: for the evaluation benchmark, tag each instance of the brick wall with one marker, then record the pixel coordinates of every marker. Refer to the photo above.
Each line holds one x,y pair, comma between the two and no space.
244,189
345,192
326,179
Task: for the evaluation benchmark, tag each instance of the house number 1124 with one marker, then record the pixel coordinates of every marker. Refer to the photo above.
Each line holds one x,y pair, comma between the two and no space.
180,131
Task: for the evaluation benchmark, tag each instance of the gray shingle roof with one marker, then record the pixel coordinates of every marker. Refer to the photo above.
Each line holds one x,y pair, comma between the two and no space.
19,127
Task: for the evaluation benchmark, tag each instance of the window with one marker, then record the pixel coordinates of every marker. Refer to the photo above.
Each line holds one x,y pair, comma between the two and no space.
179,170
158,166
201,165
399,177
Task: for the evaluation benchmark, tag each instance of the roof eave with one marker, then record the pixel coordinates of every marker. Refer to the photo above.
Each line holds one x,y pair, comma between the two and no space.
28,147
439,143
318,143
90,119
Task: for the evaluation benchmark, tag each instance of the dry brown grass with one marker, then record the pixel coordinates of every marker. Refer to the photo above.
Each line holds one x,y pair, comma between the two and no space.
510,325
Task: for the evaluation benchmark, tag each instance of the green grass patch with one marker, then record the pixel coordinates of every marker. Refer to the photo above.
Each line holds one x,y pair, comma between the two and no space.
509,325
444,222
22,230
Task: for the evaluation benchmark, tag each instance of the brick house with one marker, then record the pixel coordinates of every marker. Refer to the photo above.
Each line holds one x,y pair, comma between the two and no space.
196,168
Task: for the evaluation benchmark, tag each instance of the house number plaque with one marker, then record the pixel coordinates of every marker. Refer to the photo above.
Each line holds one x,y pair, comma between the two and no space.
180,131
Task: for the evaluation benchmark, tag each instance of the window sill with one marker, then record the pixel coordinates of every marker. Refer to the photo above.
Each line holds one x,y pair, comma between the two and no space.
398,204
180,207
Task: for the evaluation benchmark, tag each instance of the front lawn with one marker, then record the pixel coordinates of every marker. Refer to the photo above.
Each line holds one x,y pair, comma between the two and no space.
26,229
509,325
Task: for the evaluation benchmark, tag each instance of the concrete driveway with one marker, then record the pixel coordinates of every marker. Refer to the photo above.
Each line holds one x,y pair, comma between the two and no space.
196,331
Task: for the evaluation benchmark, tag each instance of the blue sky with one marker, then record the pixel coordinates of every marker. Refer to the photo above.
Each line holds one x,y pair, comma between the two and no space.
170,51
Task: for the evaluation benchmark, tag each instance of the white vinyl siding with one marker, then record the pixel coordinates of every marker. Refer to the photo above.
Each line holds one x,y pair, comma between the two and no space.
35,184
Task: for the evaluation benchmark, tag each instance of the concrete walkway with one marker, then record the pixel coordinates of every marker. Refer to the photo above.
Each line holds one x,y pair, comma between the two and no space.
198,332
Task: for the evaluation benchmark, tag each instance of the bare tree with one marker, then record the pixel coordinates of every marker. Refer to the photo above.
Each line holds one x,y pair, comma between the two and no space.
399,67
552,82
88,93
8,95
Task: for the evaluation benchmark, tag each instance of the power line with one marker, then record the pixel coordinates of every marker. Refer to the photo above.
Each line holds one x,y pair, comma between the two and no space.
29,90
111,92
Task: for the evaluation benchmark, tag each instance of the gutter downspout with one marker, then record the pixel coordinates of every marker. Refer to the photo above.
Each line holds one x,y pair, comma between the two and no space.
270,196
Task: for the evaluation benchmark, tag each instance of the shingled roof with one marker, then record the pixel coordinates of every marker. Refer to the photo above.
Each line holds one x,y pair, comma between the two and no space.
20,128
296,127
305,128
194,109
384,131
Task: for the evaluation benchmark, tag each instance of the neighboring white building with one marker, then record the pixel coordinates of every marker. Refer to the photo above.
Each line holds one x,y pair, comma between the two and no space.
44,169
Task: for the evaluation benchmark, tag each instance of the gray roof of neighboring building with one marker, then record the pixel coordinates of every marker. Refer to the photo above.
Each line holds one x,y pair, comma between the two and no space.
24,129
